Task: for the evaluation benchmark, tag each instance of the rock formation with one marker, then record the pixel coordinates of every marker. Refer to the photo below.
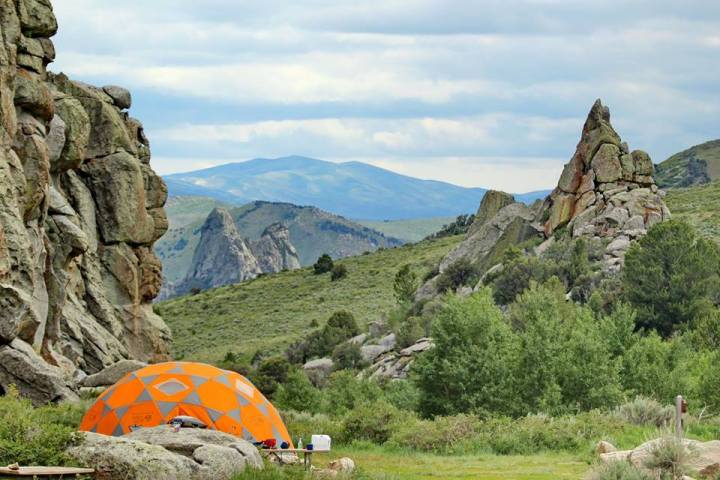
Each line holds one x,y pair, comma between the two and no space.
80,208
605,191
274,251
223,257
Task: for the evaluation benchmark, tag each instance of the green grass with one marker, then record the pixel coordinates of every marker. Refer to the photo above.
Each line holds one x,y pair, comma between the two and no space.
699,206
270,312
408,230
690,166
184,210
379,463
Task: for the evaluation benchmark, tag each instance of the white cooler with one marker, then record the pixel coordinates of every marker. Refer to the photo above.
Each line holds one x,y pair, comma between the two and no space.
321,442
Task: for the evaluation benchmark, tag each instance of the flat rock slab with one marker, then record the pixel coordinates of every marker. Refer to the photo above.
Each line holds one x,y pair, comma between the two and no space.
45,471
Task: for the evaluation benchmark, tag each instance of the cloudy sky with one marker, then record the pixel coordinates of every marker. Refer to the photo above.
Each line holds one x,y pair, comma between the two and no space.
487,93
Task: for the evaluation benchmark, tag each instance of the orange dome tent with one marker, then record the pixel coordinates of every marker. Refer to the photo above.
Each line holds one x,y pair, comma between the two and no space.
155,394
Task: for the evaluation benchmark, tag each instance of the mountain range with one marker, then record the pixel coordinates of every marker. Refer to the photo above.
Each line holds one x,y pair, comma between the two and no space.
352,189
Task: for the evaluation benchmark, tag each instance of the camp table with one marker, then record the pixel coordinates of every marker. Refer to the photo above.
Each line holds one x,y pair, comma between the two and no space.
307,454
48,472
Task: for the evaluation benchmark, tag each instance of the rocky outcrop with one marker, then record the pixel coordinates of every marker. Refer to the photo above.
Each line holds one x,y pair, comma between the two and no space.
274,251
160,452
80,209
605,191
703,457
223,256
396,366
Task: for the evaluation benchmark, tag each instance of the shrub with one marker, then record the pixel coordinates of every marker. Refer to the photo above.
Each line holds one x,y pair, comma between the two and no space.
297,393
442,435
456,275
372,421
403,394
404,285
324,264
646,411
36,436
671,276
516,276
620,471
270,374
472,341
341,326
338,272
344,391
669,458
347,356
305,424
409,332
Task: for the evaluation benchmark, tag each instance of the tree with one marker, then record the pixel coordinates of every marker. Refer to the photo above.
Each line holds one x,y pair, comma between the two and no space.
347,356
671,277
324,264
298,393
405,285
473,363
271,373
457,274
338,272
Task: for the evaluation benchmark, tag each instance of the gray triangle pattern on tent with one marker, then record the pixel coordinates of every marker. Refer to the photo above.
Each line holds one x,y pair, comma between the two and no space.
105,411
148,380
244,402
165,407
235,415
263,408
224,380
248,436
176,369
277,435
118,432
144,397
121,411
214,414
193,399
197,381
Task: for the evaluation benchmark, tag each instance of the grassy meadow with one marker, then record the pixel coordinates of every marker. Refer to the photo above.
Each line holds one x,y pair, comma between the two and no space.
278,309
699,206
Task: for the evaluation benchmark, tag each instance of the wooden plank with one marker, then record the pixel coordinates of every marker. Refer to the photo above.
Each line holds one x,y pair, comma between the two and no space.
45,471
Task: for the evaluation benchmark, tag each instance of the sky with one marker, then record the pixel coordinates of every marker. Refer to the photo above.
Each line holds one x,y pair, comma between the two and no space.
488,93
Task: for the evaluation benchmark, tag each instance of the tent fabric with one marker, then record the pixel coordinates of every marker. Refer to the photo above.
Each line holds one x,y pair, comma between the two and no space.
153,395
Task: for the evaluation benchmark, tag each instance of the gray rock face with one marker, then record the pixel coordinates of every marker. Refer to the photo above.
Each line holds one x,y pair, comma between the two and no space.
112,374
223,257
121,96
274,251
613,194
79,212
396,366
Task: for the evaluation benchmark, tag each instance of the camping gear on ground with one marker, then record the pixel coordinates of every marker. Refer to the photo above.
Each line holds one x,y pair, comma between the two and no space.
309,447
321,442
269,443
284,445
152,396
185,421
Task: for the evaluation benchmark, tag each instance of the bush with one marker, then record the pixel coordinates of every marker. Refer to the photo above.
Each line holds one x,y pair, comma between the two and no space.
347,356
36,436
341,326
404,285
304,425
345,391
472,341
297,393
324,264
647,412
270,374
620,471
409,332
669,458
456,275
338,272
373,421
443,435
671,276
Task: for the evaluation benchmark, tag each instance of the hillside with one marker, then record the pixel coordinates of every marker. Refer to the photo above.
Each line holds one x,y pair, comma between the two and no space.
408,230
352,189
699,206
278,309
312,232
184,210
696,165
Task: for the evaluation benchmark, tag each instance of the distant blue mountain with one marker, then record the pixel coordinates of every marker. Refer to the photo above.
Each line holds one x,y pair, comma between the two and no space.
352,189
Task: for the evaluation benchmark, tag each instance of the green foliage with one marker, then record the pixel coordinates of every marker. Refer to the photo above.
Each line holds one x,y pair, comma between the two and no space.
471,341
372,421
646,412
669,458
456,275
515,277
409,331
297,393
270,374
671,277
324,264
440,435
341,326
404,285
620,471
36,436
339,271
345,391
347,356
460,226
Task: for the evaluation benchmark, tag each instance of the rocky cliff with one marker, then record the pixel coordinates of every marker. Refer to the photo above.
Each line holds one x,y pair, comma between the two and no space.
80,209
606,193
223,256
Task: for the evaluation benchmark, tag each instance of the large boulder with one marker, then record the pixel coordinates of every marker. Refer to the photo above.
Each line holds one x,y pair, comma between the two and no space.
112,374
704,457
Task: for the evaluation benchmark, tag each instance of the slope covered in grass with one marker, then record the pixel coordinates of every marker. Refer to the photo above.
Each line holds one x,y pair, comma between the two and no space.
412,230
699,206
268,313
